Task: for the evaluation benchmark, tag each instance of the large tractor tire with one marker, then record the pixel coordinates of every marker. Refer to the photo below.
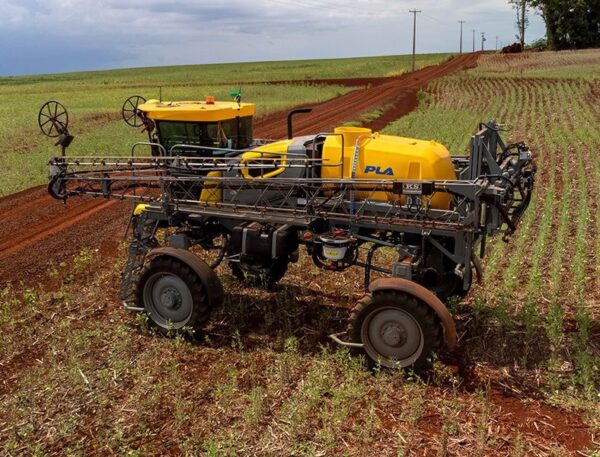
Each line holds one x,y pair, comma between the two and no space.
262,276
396,329
178,294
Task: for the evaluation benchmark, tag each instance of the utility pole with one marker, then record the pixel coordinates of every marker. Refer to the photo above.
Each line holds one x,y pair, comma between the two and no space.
483,40
523,12
414,12
473,30
496,43
461,24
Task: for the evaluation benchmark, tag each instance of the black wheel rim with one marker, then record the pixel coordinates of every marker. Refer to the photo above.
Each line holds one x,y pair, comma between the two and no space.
129,111
53,119
168,300
392,337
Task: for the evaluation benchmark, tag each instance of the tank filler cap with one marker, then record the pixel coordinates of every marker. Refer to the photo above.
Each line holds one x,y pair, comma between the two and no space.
351,134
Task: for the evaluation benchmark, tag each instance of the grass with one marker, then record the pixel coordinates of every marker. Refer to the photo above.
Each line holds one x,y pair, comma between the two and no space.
231,72
366,118
85,377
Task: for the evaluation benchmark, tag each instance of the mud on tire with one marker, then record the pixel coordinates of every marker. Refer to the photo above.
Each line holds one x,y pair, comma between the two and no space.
172,294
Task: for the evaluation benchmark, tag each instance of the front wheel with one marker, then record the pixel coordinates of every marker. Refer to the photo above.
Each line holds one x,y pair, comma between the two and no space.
396,330
172,295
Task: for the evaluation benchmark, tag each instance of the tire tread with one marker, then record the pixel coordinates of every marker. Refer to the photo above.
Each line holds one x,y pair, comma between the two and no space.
201,305
428,320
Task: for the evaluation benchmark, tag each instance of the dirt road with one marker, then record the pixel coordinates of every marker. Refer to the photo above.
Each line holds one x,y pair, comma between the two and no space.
397,95
37,233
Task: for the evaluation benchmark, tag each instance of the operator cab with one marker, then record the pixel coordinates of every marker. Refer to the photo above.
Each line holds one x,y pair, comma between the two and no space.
194,128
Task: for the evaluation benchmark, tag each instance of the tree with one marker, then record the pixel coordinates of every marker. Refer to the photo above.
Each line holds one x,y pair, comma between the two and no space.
521,7
570,24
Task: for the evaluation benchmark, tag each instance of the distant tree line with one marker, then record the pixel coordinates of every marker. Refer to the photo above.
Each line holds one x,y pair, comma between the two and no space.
570,24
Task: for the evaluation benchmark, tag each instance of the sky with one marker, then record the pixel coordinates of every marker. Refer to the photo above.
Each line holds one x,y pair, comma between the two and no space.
50,36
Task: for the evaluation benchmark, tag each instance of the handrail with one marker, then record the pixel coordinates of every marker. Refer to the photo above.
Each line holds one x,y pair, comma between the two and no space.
210,148
148,143
338,164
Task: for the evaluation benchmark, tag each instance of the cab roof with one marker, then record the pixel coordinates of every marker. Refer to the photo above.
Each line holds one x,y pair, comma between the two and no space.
196,111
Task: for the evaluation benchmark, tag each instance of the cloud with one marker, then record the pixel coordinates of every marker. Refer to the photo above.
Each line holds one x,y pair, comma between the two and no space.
13,14
65,35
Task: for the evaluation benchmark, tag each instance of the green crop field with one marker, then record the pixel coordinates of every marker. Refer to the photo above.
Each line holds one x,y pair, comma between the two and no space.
91,378
547,279
237,72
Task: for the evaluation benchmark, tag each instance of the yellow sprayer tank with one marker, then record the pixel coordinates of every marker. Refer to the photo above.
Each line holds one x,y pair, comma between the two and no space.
387,157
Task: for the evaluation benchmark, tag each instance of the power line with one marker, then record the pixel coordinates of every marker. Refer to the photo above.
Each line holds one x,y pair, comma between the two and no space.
351,10
335,7
414,12
432,18
338,7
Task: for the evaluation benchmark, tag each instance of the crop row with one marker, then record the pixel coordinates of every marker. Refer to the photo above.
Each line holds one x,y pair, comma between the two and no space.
547,277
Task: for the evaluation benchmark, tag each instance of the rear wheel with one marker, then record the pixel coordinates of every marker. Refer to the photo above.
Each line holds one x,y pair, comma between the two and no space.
172,294
396,330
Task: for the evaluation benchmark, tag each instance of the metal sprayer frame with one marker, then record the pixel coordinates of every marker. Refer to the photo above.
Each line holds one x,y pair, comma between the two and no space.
169,184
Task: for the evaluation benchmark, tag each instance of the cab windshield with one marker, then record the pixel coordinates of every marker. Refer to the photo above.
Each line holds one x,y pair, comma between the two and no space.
230,134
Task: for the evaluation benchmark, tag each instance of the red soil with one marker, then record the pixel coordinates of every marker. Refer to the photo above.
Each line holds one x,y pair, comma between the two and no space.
539,420
38,233
398,94
347,82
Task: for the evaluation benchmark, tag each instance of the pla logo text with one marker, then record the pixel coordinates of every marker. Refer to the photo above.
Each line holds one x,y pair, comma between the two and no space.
379,171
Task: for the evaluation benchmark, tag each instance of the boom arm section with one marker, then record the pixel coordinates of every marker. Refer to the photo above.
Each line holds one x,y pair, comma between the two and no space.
494,188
